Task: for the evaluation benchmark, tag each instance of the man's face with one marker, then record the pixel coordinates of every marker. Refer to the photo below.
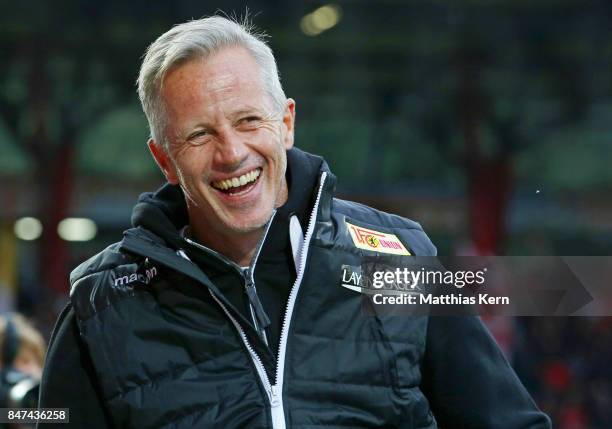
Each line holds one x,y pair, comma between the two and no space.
227,142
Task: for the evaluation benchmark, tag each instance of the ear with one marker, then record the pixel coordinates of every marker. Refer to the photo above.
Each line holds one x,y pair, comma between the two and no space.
163,161
289,122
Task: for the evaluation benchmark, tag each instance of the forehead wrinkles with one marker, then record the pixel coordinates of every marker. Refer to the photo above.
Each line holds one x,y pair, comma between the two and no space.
224,88
234,74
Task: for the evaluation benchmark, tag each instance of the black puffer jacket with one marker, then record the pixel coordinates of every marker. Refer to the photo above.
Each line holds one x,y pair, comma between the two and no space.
165,346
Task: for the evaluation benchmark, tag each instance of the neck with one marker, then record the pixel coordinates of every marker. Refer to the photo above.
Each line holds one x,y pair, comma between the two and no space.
239,248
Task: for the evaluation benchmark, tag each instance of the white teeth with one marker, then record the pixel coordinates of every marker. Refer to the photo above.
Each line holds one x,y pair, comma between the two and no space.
235,182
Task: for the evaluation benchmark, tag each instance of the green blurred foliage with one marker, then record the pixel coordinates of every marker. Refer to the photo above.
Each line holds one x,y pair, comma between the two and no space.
379,95
116,145
13,161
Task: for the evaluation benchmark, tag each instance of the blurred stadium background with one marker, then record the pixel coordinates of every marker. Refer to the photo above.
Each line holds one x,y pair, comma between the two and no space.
488,121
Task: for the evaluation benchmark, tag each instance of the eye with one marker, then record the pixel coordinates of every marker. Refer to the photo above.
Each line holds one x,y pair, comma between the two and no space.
198,136
249,119
248,123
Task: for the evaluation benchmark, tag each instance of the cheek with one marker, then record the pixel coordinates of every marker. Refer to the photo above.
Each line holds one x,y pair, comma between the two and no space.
271,133
273,141
191,165
278,156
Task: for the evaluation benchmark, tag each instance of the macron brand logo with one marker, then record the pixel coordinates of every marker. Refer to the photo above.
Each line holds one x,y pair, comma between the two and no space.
145,277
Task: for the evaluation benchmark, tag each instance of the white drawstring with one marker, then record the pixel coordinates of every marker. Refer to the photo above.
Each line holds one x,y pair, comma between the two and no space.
296,236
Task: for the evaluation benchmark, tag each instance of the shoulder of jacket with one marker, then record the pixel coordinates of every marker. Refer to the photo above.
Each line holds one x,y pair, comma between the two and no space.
410,230
106,277
358,211
106,260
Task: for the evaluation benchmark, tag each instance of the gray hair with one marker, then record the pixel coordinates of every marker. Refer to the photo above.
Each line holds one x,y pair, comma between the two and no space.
200,39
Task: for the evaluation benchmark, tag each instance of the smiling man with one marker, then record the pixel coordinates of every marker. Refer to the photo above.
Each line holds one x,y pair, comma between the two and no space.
225,145
223,306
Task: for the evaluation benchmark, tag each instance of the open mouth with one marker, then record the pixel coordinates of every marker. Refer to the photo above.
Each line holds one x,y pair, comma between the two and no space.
238,185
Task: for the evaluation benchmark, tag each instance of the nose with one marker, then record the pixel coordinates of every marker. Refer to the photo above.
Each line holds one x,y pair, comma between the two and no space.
231,151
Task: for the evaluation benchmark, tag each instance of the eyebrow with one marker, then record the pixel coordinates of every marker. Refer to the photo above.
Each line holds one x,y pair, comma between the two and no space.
246,111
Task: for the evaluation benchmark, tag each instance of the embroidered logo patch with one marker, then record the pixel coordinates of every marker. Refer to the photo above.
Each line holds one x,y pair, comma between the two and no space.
376,241
351,277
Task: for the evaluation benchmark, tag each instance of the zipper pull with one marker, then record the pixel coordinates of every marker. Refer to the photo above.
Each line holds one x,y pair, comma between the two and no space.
262,318
274,396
